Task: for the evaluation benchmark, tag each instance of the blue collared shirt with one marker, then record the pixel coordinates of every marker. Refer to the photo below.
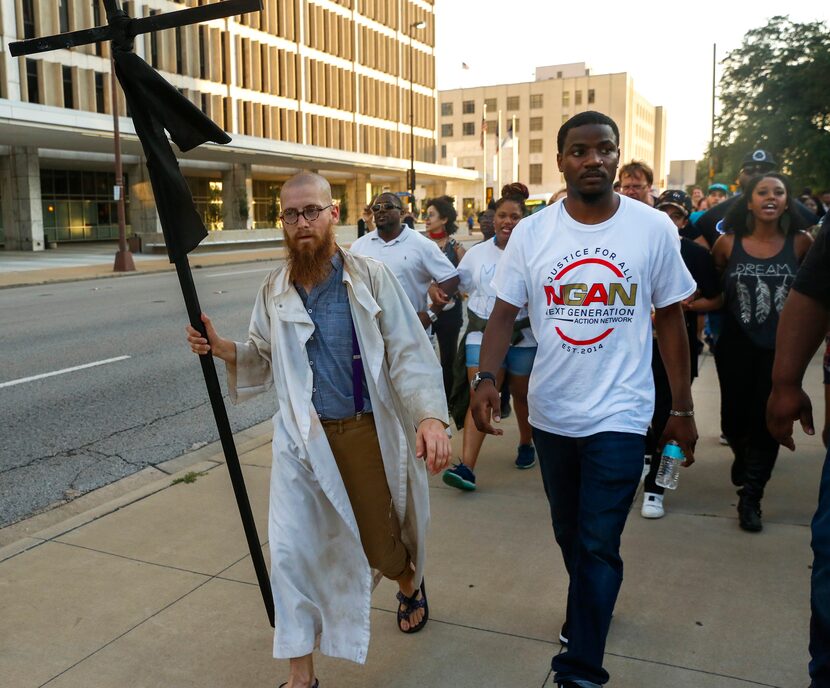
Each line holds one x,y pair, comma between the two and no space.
329,349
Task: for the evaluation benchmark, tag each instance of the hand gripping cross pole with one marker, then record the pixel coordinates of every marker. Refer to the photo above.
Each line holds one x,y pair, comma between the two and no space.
156,107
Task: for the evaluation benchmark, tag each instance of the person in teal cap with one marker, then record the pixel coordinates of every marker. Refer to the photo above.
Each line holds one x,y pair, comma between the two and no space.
716,193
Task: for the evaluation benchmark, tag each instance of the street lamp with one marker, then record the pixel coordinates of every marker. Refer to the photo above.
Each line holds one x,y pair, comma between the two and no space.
413,25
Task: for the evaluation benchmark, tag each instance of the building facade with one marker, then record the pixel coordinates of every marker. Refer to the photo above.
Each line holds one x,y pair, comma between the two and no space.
323,85
508,132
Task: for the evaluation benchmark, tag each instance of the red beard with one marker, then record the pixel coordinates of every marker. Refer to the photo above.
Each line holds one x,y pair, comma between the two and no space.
310,262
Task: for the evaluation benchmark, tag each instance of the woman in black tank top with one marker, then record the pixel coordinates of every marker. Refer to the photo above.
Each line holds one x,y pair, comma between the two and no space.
757,261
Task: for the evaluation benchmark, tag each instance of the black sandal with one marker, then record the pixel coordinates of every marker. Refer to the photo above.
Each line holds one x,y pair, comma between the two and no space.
411,604
316,684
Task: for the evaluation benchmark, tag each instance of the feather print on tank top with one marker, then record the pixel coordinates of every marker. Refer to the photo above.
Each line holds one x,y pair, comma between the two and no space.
744,302
763,301
781,292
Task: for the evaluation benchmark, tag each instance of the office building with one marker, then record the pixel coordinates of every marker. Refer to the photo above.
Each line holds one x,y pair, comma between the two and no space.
508,131
321,85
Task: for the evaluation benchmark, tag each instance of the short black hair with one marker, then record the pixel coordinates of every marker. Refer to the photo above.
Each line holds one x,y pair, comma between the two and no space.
582,119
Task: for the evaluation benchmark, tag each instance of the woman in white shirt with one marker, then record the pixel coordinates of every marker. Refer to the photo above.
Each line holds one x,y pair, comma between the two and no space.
477,270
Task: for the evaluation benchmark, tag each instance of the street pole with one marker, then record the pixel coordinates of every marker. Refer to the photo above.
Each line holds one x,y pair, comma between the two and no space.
413,25
123,258
484,156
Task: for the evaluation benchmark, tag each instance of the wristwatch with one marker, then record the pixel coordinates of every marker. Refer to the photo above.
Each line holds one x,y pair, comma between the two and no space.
479,378
432,315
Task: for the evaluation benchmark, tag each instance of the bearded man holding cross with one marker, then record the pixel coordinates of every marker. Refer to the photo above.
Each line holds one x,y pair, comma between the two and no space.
354,374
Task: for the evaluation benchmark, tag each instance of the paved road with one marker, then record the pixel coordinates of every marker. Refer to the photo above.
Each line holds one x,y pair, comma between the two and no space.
66,434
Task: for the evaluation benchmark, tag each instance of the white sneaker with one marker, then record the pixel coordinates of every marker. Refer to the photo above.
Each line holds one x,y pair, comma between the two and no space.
652,506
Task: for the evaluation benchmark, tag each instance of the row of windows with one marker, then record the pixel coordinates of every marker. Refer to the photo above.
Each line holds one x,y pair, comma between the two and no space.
387,143
382,100
330,133
79,88
513,103
492,127
265,68
329,86
329,32
387,55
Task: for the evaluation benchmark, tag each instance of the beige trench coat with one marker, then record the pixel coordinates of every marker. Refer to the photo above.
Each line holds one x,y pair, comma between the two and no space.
320,576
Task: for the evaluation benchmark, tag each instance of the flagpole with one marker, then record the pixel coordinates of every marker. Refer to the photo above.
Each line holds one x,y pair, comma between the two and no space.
515,151
499,131
484,154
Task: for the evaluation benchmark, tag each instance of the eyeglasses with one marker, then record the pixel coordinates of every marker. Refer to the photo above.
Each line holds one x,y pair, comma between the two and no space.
377,207
311,212
634,187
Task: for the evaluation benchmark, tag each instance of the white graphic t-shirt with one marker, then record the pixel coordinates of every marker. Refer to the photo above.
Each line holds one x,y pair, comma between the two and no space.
589,290
476,270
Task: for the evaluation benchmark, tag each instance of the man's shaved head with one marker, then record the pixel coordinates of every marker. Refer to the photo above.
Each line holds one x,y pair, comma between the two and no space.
310,179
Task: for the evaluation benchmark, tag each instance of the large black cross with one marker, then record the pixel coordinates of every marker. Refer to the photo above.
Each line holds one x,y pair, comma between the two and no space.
156,107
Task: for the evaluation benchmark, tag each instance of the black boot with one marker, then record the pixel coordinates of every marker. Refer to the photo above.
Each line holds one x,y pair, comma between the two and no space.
749,515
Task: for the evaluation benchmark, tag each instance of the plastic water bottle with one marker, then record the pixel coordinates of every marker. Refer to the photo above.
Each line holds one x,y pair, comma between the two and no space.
670,460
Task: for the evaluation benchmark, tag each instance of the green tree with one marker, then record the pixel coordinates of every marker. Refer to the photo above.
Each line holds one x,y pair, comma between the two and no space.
775,94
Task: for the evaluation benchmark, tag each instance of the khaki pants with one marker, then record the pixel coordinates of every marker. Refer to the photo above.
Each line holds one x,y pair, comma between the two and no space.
354,443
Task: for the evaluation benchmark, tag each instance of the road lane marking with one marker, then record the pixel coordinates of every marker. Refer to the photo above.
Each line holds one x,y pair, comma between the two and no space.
239,272
11,383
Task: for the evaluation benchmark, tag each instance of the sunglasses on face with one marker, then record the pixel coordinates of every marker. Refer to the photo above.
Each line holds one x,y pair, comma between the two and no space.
311,212
377,207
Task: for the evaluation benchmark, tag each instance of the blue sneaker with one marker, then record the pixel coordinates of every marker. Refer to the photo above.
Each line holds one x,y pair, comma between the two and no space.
526,458
460,476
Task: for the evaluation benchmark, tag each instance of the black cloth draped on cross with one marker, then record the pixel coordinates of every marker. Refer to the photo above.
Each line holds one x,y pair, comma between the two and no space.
156,106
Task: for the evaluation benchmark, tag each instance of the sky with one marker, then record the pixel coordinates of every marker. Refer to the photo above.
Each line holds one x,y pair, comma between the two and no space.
666,47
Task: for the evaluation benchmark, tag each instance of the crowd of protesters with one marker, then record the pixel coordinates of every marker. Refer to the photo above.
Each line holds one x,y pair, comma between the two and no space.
672,269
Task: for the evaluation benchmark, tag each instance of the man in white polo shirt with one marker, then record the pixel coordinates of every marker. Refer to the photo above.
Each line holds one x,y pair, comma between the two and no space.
590,268
416,261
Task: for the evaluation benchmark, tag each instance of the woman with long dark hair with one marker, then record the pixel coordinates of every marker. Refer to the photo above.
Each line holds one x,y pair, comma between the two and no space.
757,259
440,225
476,272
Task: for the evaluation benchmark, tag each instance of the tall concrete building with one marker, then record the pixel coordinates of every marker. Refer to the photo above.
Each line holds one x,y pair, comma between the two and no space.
305,84
520,123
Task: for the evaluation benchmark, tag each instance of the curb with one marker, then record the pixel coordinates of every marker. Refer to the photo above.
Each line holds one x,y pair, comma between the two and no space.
161,477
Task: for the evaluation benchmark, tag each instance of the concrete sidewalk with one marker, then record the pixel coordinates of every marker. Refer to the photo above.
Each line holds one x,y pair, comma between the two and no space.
156,589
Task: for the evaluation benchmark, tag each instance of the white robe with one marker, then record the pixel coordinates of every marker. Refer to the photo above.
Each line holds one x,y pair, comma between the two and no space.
320,576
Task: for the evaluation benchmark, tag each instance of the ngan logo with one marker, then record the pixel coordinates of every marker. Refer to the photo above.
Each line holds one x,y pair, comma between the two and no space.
583,294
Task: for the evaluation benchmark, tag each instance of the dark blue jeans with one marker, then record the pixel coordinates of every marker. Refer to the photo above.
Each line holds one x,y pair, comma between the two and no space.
820,586
590,483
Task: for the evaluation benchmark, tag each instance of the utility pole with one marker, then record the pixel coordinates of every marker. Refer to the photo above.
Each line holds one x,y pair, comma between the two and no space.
413,25
123,258
712,139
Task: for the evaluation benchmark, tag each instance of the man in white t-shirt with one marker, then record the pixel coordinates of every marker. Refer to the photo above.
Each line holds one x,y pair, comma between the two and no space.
416,261
590,267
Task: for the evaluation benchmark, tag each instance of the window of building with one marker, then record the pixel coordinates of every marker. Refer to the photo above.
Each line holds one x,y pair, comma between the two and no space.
68,96
492,104
179,50
78,205
566,98
28,18
443,150
512,103
536,101
535,175
577,97
446,130
591,96
446,109
100,100
535,145
97,20
154,43
559,74
205,103
32,81
63,15
468,107
536,123
202,56
492,126
565,117
468,128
